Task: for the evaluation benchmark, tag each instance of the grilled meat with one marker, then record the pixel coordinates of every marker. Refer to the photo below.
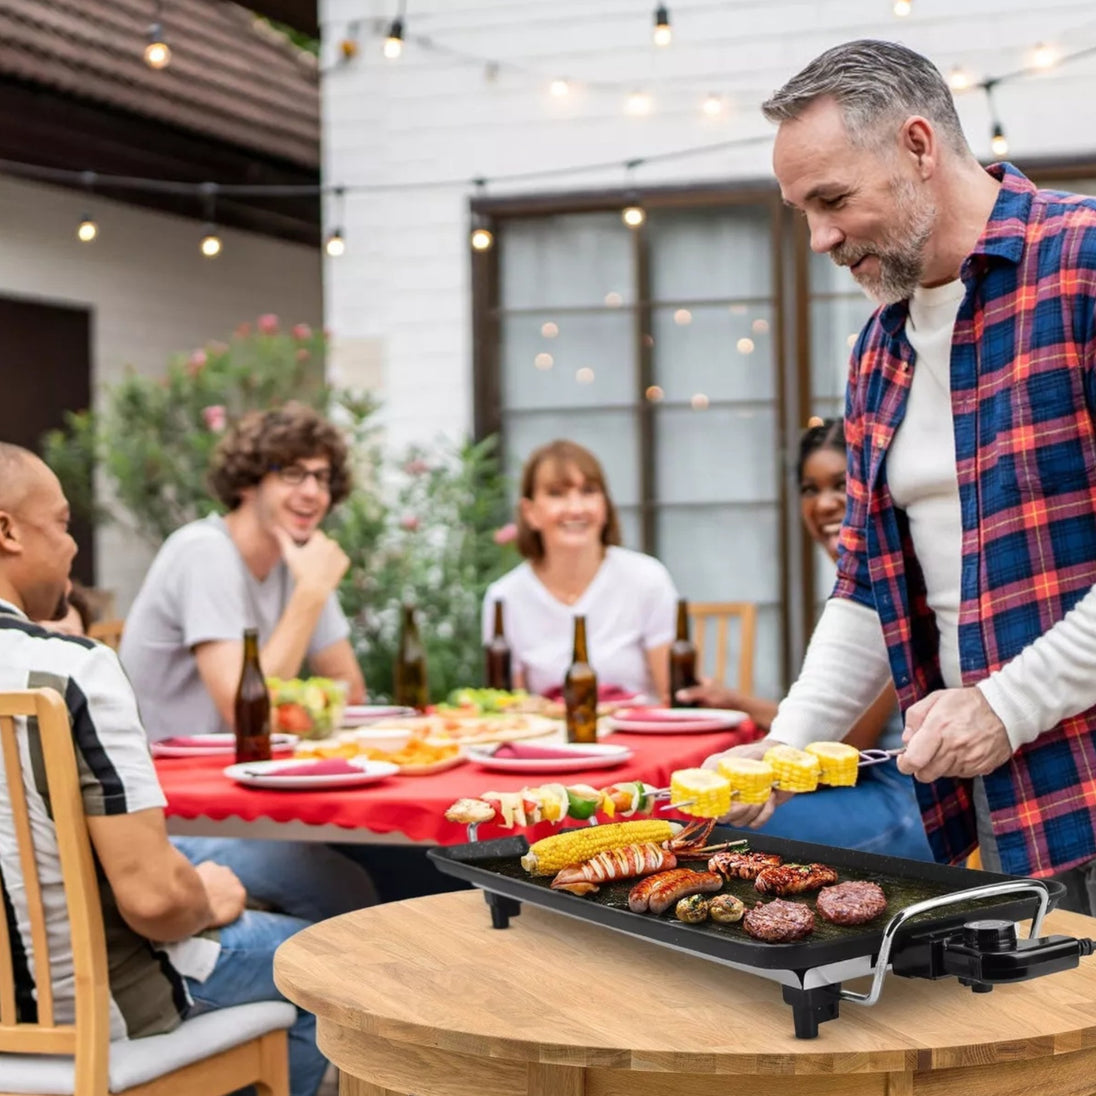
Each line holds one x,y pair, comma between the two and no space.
742,865
851,903
779,922
794,878
657,893
614,864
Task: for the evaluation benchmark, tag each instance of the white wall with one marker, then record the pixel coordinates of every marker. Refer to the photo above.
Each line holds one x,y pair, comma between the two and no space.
151,295
399,298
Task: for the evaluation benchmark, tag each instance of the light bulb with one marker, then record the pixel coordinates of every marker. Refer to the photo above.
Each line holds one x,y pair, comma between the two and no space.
639,103
1044,56
482,239
211,243
958,79
559,88
902,8
633,216
662,32
157,52
335,245
393,44
87,230
712,105
998,142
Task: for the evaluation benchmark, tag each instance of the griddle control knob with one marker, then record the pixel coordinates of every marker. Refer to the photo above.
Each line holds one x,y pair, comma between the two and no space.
990,935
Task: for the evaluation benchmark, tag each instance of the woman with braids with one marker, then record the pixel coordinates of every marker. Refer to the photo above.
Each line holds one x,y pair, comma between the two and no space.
880,814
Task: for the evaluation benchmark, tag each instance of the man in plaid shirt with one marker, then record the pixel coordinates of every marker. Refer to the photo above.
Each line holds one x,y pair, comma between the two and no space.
968,553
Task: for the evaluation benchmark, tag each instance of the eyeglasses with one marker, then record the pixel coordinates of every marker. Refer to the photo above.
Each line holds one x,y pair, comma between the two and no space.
295,474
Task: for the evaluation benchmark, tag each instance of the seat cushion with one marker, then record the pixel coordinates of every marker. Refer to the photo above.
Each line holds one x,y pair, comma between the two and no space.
135,1061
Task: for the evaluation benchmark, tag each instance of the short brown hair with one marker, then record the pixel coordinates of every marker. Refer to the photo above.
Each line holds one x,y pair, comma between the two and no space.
263,441
562,453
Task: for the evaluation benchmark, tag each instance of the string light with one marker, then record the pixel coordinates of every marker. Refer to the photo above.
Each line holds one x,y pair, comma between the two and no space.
559,88
335,245
633,216
482,239
157,51
1043,56
393,43
958,79
87,230
712,105
902,8
638,103
998,141
211,242
662,33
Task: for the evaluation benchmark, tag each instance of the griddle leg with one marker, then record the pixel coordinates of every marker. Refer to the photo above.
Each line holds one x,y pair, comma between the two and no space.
811,1007
502,909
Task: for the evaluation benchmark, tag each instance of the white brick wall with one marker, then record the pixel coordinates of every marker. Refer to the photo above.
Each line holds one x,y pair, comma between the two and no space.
151,294
399,297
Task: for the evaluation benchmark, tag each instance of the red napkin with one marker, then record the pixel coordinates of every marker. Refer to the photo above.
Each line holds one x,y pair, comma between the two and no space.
606,694
328,766
526,752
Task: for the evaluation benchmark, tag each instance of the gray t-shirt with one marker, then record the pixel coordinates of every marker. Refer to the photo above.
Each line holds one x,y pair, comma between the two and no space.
198,590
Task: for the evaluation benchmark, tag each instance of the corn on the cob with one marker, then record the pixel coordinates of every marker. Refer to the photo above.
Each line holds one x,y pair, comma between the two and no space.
839,763
561,850
751,780
700,792
794,770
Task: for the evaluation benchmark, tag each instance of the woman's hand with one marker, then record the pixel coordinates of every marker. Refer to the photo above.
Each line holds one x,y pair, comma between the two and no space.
709,695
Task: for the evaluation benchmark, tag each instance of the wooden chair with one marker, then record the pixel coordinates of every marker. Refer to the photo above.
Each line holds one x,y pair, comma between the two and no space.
210,1055
108,631
719,614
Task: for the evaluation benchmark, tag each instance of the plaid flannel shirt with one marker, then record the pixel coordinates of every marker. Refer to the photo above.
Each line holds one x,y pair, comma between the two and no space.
1023,396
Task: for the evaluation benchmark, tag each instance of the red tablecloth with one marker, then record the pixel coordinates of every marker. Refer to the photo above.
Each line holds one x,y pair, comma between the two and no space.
415,805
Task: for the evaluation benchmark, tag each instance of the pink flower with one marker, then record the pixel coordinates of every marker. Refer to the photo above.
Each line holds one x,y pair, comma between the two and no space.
267,323
196,362
243,330
214,417
302,331
507,534
410,522
416,467
303,355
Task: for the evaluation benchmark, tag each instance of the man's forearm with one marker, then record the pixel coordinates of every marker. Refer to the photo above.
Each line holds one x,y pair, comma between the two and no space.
180,909
285,651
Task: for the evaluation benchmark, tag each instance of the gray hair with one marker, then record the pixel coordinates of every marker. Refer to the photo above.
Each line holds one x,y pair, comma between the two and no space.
872,82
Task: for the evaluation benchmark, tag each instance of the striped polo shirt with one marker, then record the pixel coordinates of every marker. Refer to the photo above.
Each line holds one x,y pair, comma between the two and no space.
147,989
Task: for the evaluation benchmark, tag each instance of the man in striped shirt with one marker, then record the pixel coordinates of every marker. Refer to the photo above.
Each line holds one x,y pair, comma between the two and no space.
968,552
178,936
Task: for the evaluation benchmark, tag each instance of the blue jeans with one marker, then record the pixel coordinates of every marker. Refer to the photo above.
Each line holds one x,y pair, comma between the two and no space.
245,973
304,879
880,814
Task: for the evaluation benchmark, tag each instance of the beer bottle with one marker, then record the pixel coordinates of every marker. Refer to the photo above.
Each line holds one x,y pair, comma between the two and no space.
580,691
497,654
252,705
410,674
682,659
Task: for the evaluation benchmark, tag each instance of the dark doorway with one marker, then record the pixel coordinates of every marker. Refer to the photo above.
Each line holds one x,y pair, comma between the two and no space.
45,363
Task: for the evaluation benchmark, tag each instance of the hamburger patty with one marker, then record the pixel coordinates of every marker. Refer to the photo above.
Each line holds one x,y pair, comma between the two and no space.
778,922
851,903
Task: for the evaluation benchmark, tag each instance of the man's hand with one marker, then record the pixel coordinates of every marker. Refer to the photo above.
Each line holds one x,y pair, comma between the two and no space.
226,893
748,814
318,564
709,695
953,732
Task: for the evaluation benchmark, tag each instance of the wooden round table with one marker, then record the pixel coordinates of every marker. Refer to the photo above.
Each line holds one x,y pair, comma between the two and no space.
425,997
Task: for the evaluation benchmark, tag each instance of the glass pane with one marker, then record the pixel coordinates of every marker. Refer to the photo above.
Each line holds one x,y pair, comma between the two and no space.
576,359
609,435
717,455
569,259
724,352
701,254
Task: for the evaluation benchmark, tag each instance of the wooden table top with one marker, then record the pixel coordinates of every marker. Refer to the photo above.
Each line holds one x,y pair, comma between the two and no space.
550,989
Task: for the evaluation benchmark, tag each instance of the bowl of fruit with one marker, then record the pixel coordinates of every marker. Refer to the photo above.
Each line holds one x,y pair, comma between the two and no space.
310,707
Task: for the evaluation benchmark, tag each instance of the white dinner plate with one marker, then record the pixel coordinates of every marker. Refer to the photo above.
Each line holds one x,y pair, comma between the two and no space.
678,721
218,745
586,756
359,715
261,774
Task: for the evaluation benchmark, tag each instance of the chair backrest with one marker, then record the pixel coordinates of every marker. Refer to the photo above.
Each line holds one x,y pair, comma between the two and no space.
706,617
107,631
25,716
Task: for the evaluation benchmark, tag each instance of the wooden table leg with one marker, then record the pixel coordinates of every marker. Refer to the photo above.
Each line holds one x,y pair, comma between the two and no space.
548,1080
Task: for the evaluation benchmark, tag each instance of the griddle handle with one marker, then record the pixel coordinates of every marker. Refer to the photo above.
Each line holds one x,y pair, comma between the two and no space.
502,909
991,890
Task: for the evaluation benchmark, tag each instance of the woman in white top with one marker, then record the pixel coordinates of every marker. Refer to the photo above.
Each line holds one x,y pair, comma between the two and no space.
569,535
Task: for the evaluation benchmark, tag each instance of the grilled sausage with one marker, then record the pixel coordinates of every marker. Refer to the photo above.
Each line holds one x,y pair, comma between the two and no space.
680,884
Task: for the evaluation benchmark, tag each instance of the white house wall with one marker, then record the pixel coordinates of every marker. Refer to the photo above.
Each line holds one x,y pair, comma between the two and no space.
151,295
399,298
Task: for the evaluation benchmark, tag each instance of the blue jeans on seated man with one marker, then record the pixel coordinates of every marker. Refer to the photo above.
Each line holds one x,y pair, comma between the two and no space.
304,879
245,973
880,814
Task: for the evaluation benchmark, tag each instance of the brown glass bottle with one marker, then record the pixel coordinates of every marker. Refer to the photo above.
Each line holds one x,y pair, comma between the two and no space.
580,691
497,655
682,659
252,708
410,671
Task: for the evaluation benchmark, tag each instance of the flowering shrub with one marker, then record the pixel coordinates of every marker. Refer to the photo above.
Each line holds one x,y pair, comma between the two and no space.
424,528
